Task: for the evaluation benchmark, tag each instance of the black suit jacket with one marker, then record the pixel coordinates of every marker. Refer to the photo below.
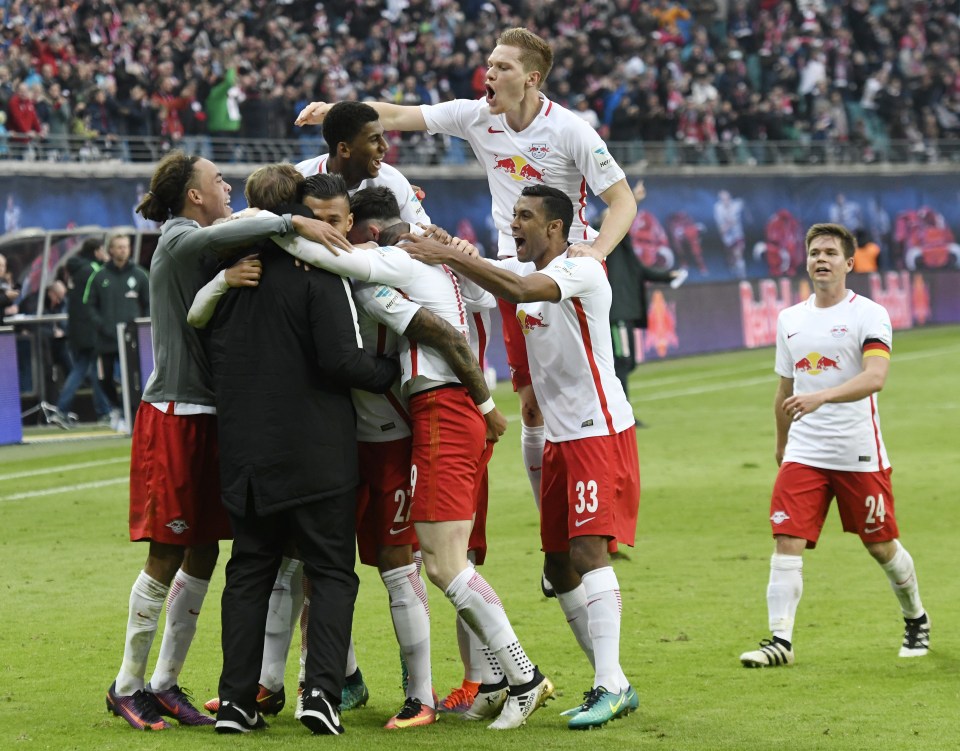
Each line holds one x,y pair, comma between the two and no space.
284,357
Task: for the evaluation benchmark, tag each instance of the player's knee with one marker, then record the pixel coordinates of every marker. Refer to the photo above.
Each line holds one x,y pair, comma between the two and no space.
588,553
200,561
391,557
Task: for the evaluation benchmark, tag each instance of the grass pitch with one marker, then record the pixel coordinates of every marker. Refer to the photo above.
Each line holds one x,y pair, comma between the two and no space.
693,589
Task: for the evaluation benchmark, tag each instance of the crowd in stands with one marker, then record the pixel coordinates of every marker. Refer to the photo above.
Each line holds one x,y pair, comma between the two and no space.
739,81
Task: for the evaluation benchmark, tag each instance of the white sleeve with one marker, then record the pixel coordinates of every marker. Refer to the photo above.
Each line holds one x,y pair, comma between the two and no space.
205,303
355,264
876,325
592,157
474,296
576,277
444,117
386,305
784,363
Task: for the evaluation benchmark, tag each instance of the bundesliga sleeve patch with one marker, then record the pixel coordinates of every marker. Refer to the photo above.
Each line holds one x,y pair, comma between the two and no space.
602,158
387,297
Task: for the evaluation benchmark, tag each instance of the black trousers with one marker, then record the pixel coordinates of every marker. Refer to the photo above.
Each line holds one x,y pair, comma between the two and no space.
325,534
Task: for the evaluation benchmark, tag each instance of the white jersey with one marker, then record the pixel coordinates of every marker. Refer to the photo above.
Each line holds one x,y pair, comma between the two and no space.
570,352
557,149
411,210
729,219
435,288
382,417
823,347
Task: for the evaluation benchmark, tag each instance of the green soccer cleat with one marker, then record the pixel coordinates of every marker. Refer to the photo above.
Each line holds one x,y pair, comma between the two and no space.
600,706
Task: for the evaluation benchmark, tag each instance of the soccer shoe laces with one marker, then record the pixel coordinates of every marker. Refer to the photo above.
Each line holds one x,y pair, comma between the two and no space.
411,708
592,696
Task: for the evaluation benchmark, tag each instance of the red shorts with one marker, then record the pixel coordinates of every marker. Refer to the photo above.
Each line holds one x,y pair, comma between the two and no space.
449,455
478,535
175,479
802,495
590,486
515,345
383,498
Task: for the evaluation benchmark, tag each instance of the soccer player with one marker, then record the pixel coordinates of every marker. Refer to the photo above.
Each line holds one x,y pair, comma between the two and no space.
833,355
522,138
174,497
591,474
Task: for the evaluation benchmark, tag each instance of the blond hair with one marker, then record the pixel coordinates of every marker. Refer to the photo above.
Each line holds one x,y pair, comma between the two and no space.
273,185
535,53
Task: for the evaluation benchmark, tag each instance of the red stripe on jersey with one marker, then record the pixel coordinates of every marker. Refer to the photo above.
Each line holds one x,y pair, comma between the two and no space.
853,298
549,107
456,289
481,337
414,369
588,350
876,430
581,212
398,408
320,166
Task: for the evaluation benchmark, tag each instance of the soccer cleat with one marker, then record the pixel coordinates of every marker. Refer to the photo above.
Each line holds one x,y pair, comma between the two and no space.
488,702
546,587
772,654
354,693
231,718
319,713
412,714
523,701
460,699
140,709
176,703
916,636
600,706
298,707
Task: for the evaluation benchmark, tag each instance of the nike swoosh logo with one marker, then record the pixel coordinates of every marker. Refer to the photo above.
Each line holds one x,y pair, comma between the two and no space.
491,130
398,531
790,336
614,708
193,612
536,469
581,522
250,719
871,531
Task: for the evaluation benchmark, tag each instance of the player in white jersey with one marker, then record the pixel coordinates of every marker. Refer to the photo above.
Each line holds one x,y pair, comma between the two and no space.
357,146
591,475
833,355
728,215
522,138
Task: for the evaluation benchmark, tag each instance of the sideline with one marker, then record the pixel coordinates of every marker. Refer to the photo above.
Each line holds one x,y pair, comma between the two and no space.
63,489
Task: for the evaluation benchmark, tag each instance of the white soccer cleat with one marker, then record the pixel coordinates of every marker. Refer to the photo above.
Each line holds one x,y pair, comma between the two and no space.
488,702
519,706
772,654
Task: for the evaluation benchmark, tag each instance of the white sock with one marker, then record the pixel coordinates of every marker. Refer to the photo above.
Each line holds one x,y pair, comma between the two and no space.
352,666
478,604
286,599
783,593
146,603
304,619
531,448
903,581
411,622
602,591
471,652
183,608
574,607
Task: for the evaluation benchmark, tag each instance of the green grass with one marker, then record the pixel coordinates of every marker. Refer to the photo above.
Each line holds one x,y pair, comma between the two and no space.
693,590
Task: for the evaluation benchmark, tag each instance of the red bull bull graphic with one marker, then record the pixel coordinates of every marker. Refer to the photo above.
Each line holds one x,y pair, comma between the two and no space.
815,364
661,334
528,322
519,168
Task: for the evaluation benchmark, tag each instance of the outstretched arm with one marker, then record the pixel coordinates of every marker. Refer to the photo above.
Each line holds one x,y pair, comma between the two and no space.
502,283
431,330
623,209
392,116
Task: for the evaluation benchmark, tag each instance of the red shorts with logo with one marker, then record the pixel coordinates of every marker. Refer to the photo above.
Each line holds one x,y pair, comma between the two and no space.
802,494
478,535
590,486
515,345
175,479
449,454
383,498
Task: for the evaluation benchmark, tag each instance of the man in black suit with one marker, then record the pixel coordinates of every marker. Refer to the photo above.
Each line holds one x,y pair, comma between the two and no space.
285,356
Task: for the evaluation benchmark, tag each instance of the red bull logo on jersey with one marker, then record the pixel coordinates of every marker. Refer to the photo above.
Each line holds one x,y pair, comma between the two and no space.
519,169
529,322
815,364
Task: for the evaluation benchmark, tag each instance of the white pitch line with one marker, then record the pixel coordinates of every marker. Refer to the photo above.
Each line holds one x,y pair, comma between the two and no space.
62,468
63,489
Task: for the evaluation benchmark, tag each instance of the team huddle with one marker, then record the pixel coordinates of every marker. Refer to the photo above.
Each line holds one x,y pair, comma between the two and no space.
318,391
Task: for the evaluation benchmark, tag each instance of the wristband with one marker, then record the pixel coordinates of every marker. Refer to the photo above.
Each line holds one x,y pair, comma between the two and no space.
487,407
